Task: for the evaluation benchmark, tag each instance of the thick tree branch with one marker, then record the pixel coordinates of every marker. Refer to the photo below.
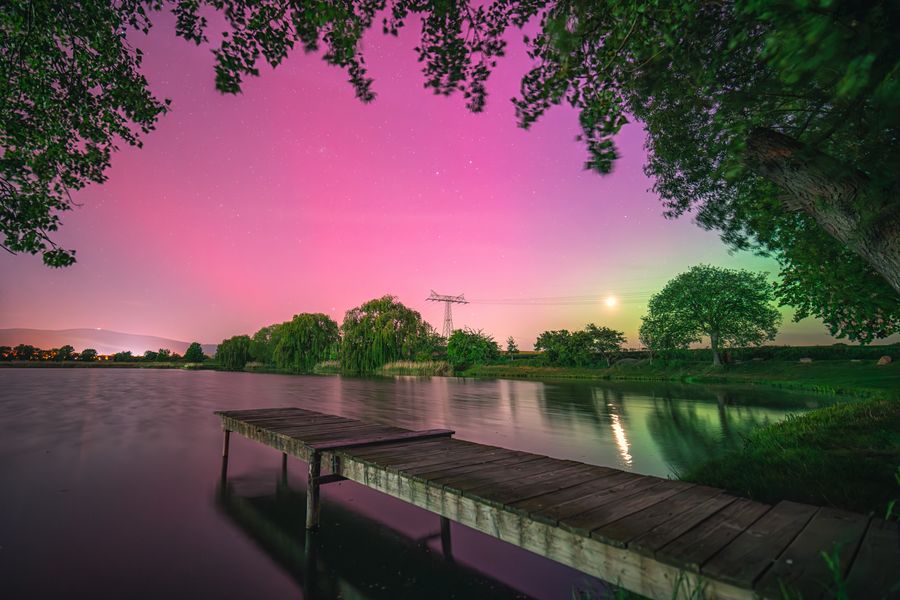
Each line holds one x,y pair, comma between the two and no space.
842,200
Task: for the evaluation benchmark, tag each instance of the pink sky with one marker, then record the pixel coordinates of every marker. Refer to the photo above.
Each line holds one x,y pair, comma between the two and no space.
241,211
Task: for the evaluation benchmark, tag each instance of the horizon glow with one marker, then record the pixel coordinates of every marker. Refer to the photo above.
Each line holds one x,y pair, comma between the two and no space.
241,211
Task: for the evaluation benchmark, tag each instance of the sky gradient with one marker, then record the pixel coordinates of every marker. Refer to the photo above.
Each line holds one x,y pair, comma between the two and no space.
241,211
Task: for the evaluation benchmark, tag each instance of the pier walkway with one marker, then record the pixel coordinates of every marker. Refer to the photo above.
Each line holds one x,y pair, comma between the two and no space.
649,535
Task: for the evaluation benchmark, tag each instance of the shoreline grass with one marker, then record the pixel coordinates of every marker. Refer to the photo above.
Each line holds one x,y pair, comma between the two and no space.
833,377
845,455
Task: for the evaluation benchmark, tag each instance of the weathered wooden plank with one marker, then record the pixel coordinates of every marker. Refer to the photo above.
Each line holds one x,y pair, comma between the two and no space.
541,506
459,462
620,504
381,439
679,523
622,531
345,433
506,492
801,567
695,547
875,572
615,491
743,560
495,473
402,448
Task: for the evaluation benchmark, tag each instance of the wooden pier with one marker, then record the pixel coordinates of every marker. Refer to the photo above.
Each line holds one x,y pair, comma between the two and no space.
649,535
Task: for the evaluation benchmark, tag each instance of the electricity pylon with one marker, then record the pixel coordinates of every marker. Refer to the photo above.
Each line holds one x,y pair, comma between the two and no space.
448,312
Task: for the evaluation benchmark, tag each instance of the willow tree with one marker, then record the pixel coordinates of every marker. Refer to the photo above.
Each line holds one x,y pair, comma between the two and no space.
304,341
381,331
233,353
730,307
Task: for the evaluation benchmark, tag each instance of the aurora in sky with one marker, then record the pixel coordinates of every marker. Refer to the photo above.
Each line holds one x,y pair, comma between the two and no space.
294,196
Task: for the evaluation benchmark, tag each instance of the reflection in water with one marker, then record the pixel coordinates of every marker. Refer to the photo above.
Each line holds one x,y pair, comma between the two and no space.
689,434
110,476
621,440
351,557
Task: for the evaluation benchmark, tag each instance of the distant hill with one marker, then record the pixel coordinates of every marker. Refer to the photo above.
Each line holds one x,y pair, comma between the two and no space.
101,340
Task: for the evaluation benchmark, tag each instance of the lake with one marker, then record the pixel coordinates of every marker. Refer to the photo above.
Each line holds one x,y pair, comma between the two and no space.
109,480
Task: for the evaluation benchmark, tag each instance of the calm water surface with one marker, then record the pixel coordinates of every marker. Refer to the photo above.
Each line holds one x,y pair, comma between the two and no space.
109,481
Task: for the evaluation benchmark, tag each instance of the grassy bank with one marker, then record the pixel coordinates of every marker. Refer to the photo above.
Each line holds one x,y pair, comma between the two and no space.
844,455
841,377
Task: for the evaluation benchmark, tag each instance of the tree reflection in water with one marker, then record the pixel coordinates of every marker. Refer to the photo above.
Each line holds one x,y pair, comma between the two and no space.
690,433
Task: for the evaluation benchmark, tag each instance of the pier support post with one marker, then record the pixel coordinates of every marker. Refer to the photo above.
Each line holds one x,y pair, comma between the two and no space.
312,491
225,455
446,548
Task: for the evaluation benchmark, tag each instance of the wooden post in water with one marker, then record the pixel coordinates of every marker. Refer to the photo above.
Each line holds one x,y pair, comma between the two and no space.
312,491
225,455
446,548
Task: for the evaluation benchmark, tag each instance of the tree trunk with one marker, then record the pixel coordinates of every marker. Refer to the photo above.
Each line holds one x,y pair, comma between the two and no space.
714,344
833,194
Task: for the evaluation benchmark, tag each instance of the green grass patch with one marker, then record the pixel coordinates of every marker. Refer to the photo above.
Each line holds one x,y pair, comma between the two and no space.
844,455
423,368
839,377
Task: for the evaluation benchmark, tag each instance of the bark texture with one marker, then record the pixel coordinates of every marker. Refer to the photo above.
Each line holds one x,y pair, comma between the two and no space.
841,199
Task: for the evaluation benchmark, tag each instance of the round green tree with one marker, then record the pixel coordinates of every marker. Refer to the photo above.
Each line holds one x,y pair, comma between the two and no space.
467,347
304,341
381,331
194,353
730,307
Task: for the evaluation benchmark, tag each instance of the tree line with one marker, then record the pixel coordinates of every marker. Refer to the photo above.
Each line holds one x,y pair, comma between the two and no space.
27,352
730,308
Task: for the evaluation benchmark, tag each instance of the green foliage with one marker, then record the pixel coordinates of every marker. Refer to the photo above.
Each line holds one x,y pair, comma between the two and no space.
125,356
704,78
150,355
304,341
732,307
262,346
233,353
467,347
580,348
164,355
71,90
844,455
88,355
194,353
66,352
511,347
382,331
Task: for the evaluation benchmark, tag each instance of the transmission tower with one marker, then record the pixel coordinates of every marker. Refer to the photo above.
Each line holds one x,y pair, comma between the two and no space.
448,312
